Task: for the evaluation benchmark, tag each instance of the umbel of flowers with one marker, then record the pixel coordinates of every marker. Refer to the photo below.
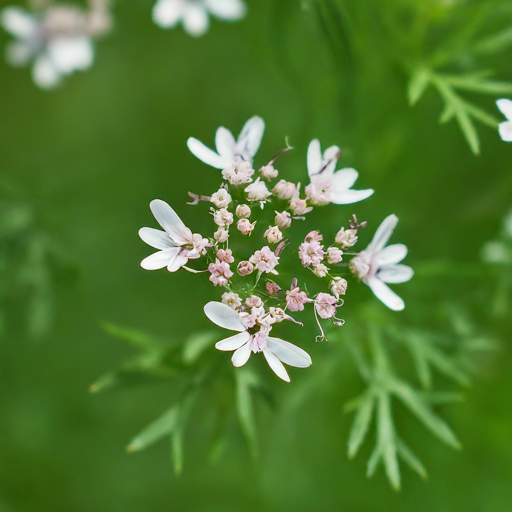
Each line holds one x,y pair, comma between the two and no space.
253,299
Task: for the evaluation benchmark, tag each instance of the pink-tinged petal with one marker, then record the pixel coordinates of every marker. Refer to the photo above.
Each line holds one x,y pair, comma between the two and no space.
505,107
329,160
505,131
288,353
225,144
177,262
350,196
391,254
206,155
167,13
234,342
344,179
385,294
396,274
18,22
276,365
169,220
195,19
222,315
383,233
156,238
250,137
44,73
159,259
241,356
226,9
314,157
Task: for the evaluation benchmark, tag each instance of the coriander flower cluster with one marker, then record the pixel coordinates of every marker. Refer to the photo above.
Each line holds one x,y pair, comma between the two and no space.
248,236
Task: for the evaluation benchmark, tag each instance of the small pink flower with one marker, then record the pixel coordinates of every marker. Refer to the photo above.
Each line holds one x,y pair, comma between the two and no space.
277,314
265,260
272,288
243,211
273,235
338,286
268,172
284,190
245,268
225,255
295,299
221,198
239,173
299,206
311,253
313,235
221,235
253,302
220,273
232,300
245,227
283,220
346,237
320,270
325,305
223,218
334,255
257,191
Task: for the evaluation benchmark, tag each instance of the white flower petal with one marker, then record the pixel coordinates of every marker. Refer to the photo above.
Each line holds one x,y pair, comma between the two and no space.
385,294
223,316
329,160
289,353
314,158
344,179
225,143
391,254
156,238
159,259
18,22
505,107
177,262
396,274
226,9
383,233
169,220
195,19
505,131
71,53
19,53
167,13
250,137
44,73
276,365
241,356
350,196
206,155
234,342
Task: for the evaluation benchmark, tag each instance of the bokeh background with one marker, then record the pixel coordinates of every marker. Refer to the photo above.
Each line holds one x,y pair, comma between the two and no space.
84,161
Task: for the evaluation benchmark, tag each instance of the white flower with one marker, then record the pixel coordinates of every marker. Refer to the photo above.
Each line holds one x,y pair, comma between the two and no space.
326,185
257,191
177,244
59,43
229,151
221,199
377,265
505,128
194,13
275,350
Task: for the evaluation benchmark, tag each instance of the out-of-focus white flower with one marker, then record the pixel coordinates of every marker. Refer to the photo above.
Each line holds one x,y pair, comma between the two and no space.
177,244
505,128
378,265
231,151
59,42
326,185
194,14
275,350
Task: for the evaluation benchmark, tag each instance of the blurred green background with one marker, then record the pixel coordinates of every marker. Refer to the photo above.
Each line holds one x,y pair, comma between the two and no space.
87,159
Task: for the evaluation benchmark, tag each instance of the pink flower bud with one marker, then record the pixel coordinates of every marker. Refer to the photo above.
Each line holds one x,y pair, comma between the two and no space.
299,206
295,300
283,220
338,286
245,227
243,211
334,255
346,237
225,255
325,305
272,288
245,268
221,235
268,172
284,189
273,235
222,217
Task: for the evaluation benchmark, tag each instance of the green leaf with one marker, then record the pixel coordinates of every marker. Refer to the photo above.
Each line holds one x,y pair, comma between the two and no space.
196,344
245,381
386,440
361,423
494,43
418,84
178,433
406,454
155,431
137,339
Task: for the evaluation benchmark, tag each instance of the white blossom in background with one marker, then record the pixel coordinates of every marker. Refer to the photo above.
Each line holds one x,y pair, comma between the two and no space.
231,152
505,128
499,252
326,185
194,14
57,40
176,244
255,339
378,265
